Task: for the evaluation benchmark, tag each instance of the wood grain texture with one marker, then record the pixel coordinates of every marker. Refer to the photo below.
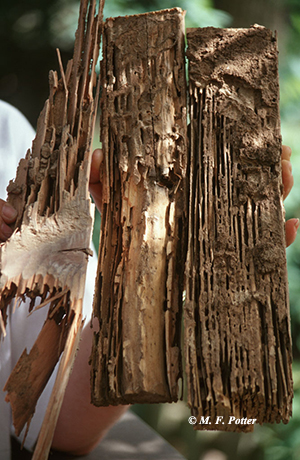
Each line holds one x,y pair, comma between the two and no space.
46,258
136,353
237,326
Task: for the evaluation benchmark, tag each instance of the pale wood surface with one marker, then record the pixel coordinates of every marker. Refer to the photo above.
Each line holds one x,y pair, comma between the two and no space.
136,354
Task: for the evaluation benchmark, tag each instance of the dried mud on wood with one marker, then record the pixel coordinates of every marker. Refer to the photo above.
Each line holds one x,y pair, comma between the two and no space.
136,353
237,331
46,258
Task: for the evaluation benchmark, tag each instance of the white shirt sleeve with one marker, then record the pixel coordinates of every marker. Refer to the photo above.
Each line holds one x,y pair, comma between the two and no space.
16,135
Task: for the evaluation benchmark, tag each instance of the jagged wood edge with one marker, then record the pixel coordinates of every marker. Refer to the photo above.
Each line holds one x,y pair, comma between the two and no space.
35,284
55,402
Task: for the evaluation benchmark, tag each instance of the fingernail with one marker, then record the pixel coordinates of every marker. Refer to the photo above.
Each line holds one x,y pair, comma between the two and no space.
297,223
9,212
6,230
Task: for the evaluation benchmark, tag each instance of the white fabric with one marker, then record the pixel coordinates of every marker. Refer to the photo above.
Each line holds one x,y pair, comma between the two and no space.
16,136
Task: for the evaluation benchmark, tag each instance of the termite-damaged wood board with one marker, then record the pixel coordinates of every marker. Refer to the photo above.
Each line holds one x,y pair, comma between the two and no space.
138,300
236,315
46,258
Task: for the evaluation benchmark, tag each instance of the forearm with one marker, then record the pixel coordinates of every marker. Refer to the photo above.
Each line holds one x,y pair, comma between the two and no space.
80,424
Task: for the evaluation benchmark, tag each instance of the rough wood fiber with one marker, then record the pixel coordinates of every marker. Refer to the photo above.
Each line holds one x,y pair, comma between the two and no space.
136,353
46,257
237,328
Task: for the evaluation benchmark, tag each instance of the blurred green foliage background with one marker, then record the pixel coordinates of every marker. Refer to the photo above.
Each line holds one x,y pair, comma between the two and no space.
30,30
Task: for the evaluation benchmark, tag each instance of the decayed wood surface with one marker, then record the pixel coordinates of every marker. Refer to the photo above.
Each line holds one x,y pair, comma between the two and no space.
237,331
46,257
136,353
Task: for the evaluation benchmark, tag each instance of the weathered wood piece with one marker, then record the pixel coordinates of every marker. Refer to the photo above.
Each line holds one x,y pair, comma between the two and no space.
46,258
237,326
136,353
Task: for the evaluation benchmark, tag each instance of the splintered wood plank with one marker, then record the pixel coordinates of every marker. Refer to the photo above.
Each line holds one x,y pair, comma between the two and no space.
237,326
46,258
136,353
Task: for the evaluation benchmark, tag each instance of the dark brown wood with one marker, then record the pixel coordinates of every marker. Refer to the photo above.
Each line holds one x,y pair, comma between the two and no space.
237,325
136,353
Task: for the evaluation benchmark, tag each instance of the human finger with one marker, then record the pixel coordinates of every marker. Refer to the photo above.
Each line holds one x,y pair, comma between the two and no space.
286,152
8,215
287,177
95,185
291,227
